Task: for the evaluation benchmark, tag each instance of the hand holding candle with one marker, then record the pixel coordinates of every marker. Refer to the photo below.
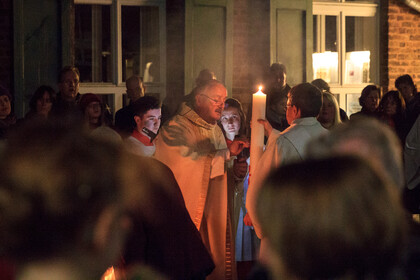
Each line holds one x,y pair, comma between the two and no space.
257,129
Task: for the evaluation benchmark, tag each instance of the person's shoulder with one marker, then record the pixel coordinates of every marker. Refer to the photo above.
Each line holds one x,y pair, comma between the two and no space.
356,115
178,120
303,127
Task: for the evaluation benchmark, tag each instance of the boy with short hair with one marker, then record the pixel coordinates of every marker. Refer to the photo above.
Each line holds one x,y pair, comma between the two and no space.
147,116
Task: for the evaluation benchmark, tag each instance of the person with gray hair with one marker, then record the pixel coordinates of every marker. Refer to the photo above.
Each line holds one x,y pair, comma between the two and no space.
193,146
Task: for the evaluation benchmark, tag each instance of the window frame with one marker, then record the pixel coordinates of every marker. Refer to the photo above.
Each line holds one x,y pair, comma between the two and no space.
343,9
117,87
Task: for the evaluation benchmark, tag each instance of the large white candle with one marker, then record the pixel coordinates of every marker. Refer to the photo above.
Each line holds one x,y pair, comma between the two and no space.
257,130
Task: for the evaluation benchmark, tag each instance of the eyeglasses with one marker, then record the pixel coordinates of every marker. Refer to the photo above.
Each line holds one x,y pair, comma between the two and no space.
215,101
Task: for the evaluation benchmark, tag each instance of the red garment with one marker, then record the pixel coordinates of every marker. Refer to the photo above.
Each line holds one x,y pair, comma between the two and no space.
142,138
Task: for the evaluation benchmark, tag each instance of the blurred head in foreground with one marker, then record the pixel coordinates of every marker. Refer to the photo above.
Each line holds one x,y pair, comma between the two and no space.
60,201
324,222
367,138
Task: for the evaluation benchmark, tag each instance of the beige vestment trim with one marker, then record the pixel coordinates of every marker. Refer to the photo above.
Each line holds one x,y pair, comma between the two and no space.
195,151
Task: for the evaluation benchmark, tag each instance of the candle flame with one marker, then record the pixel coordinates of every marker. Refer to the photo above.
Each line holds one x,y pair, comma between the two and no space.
259,92
109,274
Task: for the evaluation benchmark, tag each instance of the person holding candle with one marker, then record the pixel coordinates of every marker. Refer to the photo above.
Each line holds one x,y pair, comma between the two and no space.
303,105
193,146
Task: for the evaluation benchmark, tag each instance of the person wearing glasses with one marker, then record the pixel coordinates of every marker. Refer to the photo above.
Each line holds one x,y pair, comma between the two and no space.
303,106
193,146
68,96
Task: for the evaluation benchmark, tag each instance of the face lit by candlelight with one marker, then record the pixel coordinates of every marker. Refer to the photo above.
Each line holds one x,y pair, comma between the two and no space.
210,102
150,120
231,122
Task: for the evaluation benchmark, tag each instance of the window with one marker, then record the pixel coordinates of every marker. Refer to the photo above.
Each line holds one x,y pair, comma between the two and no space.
140,42
115,39
346,47
93,42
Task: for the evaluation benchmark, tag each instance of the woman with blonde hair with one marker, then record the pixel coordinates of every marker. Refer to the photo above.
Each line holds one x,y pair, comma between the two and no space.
329,116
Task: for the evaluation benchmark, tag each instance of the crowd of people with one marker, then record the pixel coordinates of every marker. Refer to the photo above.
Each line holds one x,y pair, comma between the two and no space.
332,197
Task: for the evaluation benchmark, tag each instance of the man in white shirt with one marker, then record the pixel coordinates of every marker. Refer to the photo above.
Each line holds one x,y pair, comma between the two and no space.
303,105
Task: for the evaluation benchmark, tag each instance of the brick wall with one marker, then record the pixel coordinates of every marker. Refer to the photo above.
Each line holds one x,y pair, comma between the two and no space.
251,47
6,43
403,42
